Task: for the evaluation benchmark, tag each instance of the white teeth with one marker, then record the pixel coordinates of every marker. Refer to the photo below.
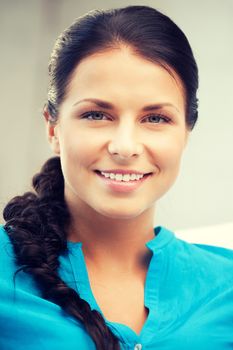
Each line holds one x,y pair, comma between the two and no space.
133,176
118,177
127,177
106,174
122,177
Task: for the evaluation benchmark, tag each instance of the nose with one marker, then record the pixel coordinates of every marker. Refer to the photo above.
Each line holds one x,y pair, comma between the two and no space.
124,144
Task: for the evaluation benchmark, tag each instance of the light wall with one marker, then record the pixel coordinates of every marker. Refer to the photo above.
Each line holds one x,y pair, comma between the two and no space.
203,193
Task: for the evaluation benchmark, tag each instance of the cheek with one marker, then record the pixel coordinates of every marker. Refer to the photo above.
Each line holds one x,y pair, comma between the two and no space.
79,148
167,150
167,153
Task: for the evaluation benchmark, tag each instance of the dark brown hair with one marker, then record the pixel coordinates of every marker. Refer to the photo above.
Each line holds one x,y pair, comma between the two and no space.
37,222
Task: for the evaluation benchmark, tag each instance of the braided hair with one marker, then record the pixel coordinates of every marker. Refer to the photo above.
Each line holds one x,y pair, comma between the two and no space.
37,222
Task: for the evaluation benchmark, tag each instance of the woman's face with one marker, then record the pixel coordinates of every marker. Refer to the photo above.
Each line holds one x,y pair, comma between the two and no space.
121,115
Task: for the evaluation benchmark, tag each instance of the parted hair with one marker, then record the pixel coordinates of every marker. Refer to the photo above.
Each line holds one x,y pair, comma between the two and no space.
37,222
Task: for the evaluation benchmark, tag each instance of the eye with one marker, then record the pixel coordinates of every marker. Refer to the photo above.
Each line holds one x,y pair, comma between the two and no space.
157,119
94,115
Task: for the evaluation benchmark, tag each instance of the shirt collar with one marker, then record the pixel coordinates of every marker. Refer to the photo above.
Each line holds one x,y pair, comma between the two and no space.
162,237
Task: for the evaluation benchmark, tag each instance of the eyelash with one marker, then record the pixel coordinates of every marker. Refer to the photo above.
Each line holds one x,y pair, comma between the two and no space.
161,116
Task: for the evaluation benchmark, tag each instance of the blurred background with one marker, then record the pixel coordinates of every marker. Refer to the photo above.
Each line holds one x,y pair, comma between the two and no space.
203,193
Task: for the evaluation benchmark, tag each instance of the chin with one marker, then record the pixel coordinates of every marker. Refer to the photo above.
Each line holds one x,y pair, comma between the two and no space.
121,214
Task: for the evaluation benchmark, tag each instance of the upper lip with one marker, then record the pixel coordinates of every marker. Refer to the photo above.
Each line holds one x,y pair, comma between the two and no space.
123,171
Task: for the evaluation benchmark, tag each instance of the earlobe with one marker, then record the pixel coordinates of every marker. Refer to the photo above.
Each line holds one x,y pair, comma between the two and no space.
52,133
53,138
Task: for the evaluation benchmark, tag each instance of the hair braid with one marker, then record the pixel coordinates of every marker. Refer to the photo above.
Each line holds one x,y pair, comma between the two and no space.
36,224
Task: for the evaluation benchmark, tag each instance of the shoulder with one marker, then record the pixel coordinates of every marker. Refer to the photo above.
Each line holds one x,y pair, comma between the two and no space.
9,281
7,256
207,251
188,248
6,247
199,272
212,264
218,252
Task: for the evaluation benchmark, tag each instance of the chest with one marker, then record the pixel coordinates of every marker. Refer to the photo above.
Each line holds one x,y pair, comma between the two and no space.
121,302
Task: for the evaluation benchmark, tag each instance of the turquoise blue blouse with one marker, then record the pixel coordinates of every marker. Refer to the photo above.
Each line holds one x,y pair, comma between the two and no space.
188,291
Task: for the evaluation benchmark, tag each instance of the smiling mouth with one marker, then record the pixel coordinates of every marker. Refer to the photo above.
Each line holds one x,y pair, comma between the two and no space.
118,177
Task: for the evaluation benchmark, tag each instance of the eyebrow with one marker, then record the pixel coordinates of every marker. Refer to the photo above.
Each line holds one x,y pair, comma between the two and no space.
110,106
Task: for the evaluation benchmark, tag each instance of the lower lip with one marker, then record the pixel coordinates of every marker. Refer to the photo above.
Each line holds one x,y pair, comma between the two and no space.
123,186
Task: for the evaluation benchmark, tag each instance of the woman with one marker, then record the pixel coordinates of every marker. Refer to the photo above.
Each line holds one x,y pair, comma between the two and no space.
90,271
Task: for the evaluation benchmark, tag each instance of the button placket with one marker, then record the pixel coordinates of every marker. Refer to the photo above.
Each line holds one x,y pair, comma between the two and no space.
138,347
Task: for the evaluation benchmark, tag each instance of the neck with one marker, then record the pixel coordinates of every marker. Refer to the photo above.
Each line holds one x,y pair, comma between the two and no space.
117,244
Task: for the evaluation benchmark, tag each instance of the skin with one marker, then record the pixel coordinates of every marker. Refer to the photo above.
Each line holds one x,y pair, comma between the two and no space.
113,226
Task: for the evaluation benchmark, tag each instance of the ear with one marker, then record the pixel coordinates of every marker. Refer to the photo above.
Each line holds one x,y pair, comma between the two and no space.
52,132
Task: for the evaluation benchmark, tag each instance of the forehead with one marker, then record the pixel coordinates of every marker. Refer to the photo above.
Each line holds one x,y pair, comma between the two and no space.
120,73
